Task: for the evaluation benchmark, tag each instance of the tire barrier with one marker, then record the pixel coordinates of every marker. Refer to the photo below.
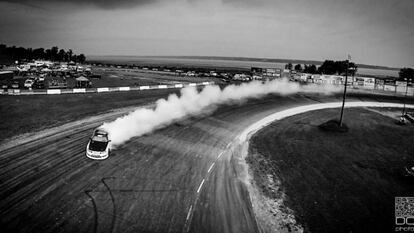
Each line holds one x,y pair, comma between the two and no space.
98,90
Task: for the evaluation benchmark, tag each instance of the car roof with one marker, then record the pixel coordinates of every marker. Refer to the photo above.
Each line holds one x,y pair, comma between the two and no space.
100,139
100,135
100,131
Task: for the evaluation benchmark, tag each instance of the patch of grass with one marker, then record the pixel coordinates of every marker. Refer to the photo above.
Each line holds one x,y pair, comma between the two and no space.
23,114
119,77
343,182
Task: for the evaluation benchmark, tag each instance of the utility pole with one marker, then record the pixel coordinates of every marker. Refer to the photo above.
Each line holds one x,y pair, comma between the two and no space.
405,97
344,95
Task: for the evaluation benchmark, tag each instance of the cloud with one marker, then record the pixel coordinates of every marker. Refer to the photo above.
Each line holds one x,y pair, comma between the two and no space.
373,31
106,4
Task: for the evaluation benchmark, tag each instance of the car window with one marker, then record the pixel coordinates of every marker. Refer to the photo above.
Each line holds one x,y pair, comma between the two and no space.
97,146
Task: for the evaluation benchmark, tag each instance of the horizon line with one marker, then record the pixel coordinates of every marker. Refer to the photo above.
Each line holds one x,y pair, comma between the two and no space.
241,58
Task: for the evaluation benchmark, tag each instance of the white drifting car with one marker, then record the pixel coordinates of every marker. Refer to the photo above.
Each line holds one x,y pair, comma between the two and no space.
98,146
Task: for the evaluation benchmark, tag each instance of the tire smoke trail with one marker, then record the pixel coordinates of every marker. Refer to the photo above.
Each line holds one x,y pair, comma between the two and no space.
192,102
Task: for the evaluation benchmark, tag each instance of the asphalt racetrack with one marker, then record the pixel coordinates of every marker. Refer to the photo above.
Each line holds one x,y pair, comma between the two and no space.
182,178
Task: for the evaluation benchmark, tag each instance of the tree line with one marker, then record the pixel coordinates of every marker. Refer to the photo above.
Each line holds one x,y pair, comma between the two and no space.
14,53
406,74
328,67
339,67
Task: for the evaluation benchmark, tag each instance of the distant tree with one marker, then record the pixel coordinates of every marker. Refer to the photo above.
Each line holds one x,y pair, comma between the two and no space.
337,67
29,54
341,68
48,54
53,53
353,68
66,57
20,53
288,66
70,53
306,68
328,67
311,69
61,55
298,67
13,53
81,58
39,53
406,74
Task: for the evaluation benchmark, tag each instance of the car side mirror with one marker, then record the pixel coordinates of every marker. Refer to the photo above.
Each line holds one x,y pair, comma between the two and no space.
109,140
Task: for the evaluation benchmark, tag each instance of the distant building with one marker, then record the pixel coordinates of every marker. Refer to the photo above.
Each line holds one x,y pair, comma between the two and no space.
379,84
213,73
401,86
256,70
369,83
190,73
266,73
272,72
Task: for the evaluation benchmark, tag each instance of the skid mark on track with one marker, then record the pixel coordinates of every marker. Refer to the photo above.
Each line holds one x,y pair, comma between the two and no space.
95,209
200,186
114,214
113,202
211,167
189,212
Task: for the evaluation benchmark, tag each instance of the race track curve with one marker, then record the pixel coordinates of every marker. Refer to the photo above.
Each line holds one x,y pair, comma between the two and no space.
183,178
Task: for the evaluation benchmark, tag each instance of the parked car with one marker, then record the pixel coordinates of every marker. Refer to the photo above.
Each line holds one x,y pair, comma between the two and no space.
98,147
29,83
39,83
409,172
15,85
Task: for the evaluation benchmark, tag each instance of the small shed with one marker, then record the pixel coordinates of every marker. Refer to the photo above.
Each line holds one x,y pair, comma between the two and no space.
83,82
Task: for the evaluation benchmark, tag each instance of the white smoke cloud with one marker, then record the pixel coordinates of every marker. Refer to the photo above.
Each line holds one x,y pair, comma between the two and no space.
192,102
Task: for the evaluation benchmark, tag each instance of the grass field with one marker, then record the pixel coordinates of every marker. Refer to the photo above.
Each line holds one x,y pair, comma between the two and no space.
114,77
22,114
336,182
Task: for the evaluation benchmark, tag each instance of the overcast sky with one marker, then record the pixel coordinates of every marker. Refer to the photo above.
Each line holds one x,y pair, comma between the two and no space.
379,32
